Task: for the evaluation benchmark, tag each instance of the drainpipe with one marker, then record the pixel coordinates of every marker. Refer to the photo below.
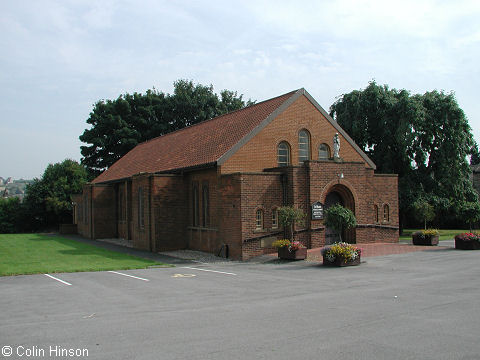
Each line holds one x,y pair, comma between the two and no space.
284,181
309,206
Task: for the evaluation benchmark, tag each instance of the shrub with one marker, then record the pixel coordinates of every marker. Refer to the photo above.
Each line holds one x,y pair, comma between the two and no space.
10,215
288,216
339,218
423,211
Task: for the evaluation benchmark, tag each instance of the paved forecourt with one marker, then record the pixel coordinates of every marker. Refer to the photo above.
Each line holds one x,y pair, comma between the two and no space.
422,305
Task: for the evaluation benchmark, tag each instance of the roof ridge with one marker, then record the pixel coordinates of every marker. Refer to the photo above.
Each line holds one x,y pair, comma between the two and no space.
216,117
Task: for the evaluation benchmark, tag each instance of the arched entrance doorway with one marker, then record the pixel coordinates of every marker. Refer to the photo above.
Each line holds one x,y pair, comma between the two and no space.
339,194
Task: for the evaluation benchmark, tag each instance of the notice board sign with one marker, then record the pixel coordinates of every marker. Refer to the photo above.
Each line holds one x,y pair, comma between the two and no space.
317,211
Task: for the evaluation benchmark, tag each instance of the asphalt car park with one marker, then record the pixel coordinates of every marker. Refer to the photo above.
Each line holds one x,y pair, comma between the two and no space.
421,305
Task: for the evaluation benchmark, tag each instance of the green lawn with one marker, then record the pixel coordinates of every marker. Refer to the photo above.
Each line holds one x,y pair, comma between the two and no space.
444,234
35,253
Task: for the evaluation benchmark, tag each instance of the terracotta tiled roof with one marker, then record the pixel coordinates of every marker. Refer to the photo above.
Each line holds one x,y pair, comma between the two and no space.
197,145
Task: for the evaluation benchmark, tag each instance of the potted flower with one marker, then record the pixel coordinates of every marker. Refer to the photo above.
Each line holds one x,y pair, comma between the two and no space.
428,237
467,241
290,250
341,254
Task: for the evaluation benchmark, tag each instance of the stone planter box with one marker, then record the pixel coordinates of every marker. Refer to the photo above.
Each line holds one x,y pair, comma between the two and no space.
466,245
427,240
341,262
300,254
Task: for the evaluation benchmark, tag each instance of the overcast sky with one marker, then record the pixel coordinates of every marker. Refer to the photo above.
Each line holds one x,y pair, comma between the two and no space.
59,57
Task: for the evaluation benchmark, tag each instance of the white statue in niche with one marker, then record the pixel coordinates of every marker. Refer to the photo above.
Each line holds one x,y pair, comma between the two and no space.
336,146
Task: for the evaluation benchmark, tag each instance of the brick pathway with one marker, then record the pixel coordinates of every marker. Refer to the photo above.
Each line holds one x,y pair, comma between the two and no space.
378,249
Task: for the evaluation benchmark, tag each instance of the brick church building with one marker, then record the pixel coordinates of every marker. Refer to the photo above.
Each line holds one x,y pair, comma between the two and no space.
217,185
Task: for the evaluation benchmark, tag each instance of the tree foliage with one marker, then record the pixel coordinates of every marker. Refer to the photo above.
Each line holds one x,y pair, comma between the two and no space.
117,126
423,211
10,215
425,139
48,200
339,219
470,212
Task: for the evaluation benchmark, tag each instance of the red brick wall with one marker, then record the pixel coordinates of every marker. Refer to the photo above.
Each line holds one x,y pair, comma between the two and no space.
386,190
259,191
239,187
98,220
229,214
104,212
122,219
200,237
261,151
169,217
84,209
141,234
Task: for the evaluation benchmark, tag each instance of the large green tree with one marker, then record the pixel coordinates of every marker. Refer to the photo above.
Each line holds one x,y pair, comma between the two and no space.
425,139
48,200
10,215
119,125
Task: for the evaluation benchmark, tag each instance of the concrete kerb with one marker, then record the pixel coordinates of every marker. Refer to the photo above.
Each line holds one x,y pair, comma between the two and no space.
192,257
128,250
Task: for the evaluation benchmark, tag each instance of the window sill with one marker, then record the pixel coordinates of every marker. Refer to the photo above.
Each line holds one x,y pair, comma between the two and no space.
201,228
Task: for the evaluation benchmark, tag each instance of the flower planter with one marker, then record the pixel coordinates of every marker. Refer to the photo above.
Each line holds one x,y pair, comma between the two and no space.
299,254
425,240
467,244
341,262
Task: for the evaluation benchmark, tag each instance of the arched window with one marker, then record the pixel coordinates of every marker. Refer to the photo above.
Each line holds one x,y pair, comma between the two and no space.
323,152
386,213
274,218
303,145
375,211
259,219
283,154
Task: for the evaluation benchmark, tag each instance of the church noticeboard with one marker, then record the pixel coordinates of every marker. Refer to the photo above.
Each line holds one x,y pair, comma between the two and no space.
317,211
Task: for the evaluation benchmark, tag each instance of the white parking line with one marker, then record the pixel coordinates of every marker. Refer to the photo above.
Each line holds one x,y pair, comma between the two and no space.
135,277
214,271
54,278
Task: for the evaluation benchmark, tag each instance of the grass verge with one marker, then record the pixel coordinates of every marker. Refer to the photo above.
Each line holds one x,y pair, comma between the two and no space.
36,253
444,234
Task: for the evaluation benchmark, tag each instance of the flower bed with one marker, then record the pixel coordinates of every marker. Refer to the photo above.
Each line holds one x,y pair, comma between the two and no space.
427,237
341,254
290,250
467,241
